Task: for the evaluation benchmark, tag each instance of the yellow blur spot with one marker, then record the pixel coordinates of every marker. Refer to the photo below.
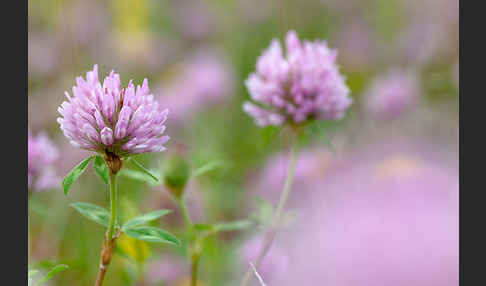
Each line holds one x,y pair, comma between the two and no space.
136,249
398,166
187,282
131,16
131,22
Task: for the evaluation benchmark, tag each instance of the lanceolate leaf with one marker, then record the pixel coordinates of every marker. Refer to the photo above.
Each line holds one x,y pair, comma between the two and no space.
264,212
227,226
93,212
206,168
234,225
204,227
137,175
152,234
101,169
75,173
50,274
143,169
145,218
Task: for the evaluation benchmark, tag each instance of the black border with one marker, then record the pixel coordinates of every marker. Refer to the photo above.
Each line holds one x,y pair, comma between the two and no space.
13,210
471,144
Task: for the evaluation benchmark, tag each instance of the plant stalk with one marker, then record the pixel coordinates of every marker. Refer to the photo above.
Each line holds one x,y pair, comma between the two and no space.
110,239
185,214
193,247
284,196
194,265
113,205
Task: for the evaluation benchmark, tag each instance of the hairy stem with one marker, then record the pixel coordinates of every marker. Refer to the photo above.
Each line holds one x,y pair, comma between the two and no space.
110,239
113,205
284,196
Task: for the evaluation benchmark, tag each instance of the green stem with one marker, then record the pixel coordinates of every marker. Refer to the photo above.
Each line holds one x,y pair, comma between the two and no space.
113,205
288,182
140,274
194,265
109,242
193,243
284,196
185,213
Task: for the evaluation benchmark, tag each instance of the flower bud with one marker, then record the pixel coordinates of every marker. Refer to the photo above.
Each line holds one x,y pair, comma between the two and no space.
176,172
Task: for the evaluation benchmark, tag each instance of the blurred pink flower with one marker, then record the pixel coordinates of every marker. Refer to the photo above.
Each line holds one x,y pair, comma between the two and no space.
70,157
194,18
40,100
204,80
73,22
384,217
431,34
44,54
391,94
304,84
110,119
357,45
420,42
41,156
167,270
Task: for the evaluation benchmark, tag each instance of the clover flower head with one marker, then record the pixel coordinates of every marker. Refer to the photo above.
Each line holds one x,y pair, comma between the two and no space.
109,119
303,84
41,156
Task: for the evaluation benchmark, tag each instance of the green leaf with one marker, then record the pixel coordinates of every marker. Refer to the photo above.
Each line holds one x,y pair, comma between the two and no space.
75,173
101,169
234,225
143,169
264,212
226,226
268,134
204,227
50,274
207,168
145,218
43,264
137,175
93,212
152,234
